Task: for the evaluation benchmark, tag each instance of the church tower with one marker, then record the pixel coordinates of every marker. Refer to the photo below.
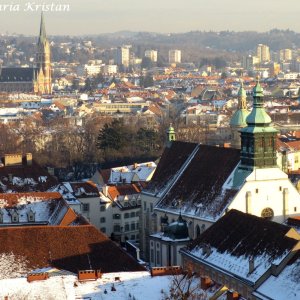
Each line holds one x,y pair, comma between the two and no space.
171,135
238,120
258,139
43,62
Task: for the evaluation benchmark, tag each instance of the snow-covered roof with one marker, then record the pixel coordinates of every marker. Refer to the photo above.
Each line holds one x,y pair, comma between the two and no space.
46,208
284,286
239,241
135,172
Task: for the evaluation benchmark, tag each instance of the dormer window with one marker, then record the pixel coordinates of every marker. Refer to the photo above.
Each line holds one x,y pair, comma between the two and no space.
31,216
14,217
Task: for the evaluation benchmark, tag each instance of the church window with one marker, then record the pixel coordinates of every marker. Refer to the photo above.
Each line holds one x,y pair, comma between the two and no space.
280,188
267,213
295,209
256,191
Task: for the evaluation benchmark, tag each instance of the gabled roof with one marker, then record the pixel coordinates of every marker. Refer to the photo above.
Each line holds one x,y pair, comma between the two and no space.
171,162
237,237
198,189
70,248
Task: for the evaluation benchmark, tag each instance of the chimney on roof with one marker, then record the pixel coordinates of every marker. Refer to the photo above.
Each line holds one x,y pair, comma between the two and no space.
232,295
29,159
105,190
251,265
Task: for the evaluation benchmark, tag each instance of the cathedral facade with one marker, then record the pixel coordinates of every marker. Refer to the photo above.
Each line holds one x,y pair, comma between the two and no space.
37,79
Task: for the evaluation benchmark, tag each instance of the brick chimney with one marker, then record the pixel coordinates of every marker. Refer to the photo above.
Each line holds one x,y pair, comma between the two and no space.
232,295
29,159
205,282
251,264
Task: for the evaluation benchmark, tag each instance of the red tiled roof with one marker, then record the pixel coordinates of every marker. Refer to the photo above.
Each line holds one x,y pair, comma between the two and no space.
70,248
12,199
123,190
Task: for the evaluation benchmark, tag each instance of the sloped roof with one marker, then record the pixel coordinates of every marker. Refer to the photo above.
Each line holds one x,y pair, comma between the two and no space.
12,199
123,190
25,178
17,74
172,160
237,237
199,187
70,248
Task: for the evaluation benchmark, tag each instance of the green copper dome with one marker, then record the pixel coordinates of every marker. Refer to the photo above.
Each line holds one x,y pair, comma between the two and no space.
258,90
258,115
177,230
239,118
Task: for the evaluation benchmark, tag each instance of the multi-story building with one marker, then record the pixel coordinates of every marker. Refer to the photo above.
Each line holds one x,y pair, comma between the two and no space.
110,69
123,56
286,55
151,54
249,62
263,53
174,56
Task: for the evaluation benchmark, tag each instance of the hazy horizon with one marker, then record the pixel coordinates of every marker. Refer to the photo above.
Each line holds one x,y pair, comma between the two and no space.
167,16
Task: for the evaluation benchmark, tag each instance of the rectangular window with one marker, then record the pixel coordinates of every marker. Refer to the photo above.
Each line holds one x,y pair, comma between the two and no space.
132,215
117,228
132,226
116,216
151,207
295,209
137,226
256,191
102,220
85,207
132,237
126,215
102,207
145,206
126,227
103,229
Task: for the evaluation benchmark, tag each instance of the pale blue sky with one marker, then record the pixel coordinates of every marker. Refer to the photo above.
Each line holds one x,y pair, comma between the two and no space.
102,16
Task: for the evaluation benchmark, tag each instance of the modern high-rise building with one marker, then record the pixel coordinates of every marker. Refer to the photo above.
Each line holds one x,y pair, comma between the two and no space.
286,55
249,62
151,54
263,53
36,79
174,56
123,56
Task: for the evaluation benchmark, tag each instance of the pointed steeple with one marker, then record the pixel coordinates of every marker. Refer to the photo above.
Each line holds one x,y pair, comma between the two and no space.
43,35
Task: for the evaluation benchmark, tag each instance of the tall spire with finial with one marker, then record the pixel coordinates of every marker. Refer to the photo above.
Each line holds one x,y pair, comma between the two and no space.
238,119
43,35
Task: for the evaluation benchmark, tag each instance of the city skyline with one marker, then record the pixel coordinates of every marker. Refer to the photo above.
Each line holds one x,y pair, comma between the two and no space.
98,16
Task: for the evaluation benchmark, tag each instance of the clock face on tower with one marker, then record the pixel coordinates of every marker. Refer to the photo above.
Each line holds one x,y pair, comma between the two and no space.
267,213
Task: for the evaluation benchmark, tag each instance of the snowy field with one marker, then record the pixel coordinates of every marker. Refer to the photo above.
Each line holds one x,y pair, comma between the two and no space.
134,285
